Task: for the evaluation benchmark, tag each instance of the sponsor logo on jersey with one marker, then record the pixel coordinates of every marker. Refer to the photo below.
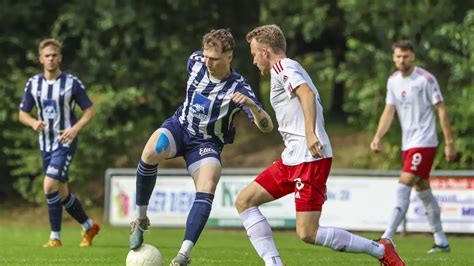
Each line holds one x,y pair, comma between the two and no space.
200,107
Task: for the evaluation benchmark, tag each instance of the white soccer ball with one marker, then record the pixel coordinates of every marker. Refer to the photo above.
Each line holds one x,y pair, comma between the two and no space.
146,255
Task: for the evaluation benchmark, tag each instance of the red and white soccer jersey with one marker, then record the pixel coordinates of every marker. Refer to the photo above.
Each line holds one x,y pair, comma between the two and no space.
414,98
286,75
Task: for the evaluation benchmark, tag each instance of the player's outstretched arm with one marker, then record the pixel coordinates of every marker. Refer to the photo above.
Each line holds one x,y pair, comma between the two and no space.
308,105
384,124
27,120
444,121
263,121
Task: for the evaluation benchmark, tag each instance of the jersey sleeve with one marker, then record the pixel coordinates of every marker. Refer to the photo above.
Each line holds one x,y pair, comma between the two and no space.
27,102
245,89
390,97
433,91
80,95
197,56
290,76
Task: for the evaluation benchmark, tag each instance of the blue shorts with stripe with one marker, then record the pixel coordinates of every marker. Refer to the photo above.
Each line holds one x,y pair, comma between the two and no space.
56,163
193,149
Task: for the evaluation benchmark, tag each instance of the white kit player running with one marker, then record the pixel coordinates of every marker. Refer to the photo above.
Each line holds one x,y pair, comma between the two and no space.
305,163
414,94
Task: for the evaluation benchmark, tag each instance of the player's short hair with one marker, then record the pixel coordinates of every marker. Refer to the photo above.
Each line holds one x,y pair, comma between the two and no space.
218,38
404,45
270,35
49,42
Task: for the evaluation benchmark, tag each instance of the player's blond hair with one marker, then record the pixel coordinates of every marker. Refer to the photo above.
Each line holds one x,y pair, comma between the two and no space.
49,42
218,38
270,35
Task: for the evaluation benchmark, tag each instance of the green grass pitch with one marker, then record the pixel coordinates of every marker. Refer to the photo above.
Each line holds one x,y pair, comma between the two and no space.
22,246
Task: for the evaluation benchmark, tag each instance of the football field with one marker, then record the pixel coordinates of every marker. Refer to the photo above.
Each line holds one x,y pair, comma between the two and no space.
22,246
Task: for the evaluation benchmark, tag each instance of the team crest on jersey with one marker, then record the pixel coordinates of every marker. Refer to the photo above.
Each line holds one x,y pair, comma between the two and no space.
49,109
285,78
200,106
221,95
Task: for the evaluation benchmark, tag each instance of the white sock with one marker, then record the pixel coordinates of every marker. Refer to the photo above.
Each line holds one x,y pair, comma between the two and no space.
434,216
260,235
341,240
401,207
142,211
186,247
87,224
55,235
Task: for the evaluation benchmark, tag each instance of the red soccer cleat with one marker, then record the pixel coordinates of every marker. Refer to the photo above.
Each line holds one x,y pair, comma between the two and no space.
390,255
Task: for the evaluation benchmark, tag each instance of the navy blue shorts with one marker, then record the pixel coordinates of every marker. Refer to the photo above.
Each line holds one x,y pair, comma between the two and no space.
194,150
56,163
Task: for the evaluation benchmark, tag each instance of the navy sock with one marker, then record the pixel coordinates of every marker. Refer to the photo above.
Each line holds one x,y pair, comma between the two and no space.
74,208
146,179
198,216
55,210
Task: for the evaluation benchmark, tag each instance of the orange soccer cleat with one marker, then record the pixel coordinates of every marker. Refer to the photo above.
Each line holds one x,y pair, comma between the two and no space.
390,255
53,243
88,235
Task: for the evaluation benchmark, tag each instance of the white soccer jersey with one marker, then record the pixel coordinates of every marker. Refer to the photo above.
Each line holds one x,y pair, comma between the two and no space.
286,75
55,101
414,98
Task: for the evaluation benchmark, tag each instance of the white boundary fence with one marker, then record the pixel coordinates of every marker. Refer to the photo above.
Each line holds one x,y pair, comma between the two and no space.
357,200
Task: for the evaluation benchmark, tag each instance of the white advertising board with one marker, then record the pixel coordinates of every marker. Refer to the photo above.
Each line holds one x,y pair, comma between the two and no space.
354,203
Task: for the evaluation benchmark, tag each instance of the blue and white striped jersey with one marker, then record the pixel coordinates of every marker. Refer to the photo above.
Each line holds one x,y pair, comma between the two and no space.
55,101
208,111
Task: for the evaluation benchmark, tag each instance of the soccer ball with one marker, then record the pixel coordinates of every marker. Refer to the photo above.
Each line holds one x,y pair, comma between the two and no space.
146,255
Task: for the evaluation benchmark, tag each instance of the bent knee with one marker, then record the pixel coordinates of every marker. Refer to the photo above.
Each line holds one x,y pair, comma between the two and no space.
307,237
242,203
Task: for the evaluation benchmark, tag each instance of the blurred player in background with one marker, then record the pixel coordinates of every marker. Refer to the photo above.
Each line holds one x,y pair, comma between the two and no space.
414,94
305,163
198,130
55,94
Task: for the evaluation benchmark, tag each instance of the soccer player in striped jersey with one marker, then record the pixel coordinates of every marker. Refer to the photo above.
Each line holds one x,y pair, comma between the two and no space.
198,131
414,94
305,163
55,94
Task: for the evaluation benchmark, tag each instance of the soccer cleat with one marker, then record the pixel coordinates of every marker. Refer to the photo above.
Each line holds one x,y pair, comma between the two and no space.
180,260
436,249
88,235
390,255
136,234
53,243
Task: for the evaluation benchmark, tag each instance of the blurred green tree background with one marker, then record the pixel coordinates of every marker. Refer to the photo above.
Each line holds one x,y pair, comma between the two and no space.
131,55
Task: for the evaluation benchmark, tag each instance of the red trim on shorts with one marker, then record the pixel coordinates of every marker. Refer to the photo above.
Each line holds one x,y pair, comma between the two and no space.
419,161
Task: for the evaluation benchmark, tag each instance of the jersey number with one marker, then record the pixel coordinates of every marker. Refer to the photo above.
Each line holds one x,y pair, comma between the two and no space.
415,161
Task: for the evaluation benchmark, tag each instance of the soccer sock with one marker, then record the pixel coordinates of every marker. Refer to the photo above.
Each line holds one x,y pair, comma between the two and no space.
434,216
145,183
55,211
196,221
55,235
87,224
401,207
341,240
260,235
74,208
